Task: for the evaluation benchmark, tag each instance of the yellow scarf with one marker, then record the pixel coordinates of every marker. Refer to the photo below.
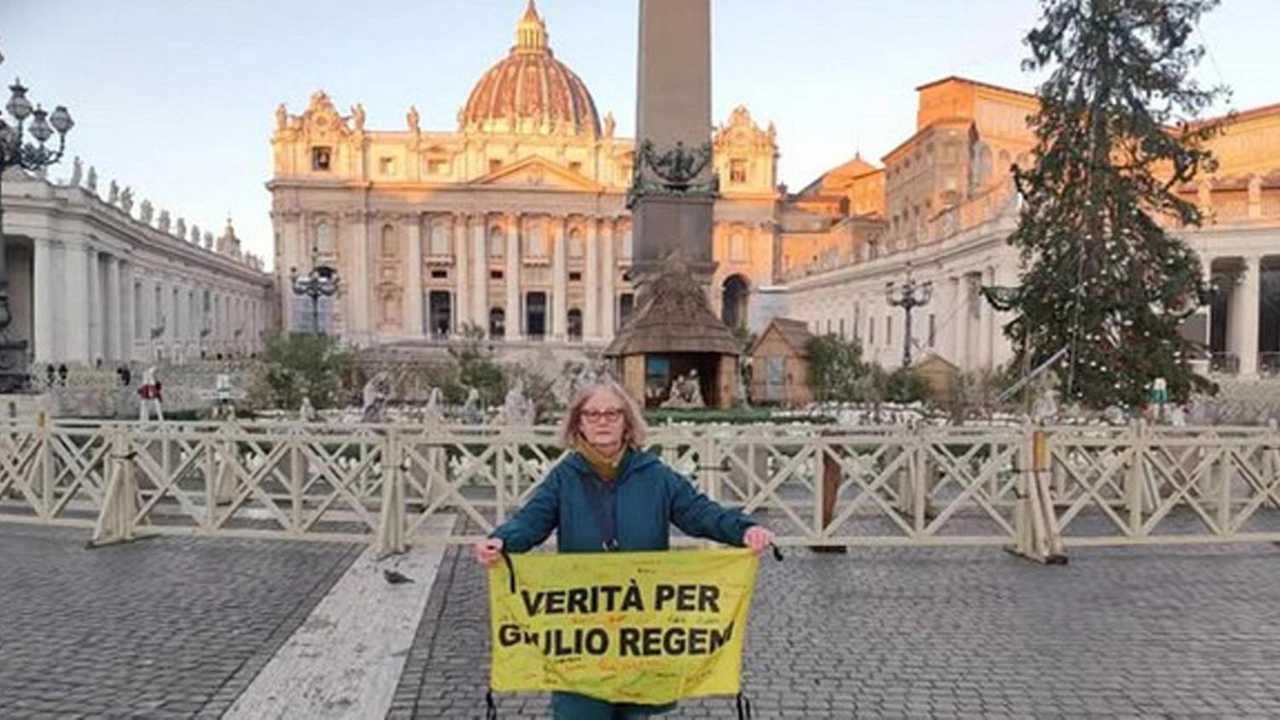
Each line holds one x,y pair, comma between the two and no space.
603,465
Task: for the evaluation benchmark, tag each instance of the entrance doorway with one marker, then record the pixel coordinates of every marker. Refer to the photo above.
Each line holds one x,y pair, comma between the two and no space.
535,315
733,310
440,307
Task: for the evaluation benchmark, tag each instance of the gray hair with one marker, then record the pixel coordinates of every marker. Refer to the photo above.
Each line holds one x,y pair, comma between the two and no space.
635,430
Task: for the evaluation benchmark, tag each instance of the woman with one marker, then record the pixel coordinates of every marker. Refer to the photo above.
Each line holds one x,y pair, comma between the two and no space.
610,495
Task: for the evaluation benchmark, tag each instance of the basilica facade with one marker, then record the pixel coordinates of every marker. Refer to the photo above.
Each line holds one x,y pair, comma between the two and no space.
514,222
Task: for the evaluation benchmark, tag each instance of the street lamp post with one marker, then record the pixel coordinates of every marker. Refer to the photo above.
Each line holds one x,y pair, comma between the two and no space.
908,296
15,151
322,281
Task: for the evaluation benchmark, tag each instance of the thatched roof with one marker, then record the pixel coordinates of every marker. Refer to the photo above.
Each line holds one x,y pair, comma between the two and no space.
673,317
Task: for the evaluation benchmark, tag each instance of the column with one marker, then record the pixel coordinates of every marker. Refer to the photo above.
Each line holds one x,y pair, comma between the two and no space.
984,320
608,270
93,287
964,331
559,284
953,321
461,298
357,320
412,321
183,328
128,311
1206,274
75,319
515,323
112,329
1001,346
45,291
291,242
480,270
591,284
149,311
1244,316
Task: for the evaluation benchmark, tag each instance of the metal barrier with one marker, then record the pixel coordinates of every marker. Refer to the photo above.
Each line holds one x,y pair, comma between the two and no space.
1036,491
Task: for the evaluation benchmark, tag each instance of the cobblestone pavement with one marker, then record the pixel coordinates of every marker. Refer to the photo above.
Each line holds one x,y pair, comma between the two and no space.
947,633
178,627
165,627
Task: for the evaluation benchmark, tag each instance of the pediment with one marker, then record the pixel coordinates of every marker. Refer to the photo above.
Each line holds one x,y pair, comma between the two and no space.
537,174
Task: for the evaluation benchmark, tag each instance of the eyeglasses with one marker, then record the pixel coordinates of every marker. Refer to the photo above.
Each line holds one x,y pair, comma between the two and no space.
611,415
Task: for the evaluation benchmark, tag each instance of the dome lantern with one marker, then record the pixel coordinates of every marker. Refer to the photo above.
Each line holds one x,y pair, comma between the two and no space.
531,32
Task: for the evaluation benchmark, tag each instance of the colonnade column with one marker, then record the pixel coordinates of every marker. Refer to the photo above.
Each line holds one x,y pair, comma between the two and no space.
75,320
45,294
608,271
984,320
480,270
1244,316
112,305
458,241
412,320
514,324
128,312
93,287
357,306
591,283
559,286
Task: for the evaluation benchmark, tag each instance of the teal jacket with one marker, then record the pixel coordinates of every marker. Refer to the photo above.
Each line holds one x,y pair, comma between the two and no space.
649,497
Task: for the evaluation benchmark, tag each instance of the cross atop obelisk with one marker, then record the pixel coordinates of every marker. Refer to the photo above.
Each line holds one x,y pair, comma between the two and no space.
673,194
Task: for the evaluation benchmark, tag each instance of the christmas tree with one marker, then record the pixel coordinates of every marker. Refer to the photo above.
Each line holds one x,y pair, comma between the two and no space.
1117,135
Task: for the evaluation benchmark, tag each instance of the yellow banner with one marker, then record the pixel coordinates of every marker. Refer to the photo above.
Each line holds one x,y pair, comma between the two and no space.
648,627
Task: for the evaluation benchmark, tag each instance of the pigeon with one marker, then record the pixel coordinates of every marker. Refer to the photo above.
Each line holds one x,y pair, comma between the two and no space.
395,578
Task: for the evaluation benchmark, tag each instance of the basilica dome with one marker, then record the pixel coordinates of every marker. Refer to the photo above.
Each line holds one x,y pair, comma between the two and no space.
529,91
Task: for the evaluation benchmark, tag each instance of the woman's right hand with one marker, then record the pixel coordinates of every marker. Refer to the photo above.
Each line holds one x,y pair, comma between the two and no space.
488,551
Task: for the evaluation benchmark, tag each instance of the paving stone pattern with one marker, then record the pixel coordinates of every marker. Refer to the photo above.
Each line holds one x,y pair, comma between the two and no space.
178,627
947,633
164,627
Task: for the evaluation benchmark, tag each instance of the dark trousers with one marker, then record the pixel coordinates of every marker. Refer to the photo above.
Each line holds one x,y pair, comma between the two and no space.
570,706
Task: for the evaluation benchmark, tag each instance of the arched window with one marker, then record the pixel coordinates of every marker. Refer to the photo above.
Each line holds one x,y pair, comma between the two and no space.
733,309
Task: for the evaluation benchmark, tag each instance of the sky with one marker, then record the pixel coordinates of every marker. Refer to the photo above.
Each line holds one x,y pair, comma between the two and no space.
177,98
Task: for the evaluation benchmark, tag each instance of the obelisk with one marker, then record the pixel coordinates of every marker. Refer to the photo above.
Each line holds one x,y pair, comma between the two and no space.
673,194
674,352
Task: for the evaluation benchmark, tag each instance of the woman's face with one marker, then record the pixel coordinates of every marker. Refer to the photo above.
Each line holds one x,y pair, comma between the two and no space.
602,421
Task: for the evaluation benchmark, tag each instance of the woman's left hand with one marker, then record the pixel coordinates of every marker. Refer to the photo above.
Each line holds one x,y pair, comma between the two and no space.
758,539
